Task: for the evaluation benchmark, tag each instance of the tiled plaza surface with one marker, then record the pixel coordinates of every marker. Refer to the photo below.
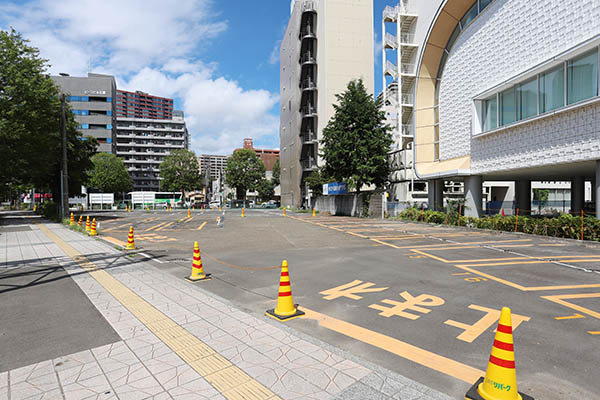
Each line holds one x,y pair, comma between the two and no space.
141,366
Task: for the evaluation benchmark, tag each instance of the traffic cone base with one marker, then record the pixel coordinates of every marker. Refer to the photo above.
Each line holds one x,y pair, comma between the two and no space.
271,313
472,394
206,277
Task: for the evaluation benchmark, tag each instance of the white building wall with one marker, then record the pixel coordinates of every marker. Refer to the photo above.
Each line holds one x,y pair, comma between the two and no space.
506,39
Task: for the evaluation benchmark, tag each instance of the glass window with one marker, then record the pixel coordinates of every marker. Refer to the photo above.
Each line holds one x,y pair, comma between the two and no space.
470,15
453,37
108,99
84,126
108,126
582,77
109,140
508,107
552,89
483,4
490,113
527,98
109,113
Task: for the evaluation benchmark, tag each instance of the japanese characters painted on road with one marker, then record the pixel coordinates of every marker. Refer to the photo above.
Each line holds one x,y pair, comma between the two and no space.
411,303
472,332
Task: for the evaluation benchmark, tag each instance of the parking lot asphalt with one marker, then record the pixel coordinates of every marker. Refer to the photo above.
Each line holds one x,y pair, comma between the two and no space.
418,299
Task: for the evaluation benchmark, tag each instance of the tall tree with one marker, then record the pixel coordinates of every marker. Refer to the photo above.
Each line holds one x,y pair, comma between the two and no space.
356,140
265,189
109,174
276,177
180,171
244,172
30,114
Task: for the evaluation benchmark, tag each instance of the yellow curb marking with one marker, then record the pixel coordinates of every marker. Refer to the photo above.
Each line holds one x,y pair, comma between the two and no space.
164,226
201,226
113,240
229,380
420,356
574,316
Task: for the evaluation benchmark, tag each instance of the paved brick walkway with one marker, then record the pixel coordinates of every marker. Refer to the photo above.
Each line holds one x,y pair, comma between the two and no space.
179,341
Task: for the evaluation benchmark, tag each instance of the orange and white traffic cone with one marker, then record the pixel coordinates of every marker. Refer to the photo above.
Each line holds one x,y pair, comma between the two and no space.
80,222
197,270
72,221
500,382
243,212
130,240
286,309
87,224
93,228
284,211
189,213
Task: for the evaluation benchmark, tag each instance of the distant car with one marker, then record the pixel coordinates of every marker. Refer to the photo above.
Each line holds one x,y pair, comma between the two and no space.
268,205
214,204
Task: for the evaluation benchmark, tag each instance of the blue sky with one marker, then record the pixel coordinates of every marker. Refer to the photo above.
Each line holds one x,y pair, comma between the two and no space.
217,59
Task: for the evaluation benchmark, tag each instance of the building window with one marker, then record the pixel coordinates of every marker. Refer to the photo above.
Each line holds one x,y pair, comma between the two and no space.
552,89
527,99
470,15
508,107
109,140
108,99
490,113
81,112
84,126
582,77
109,113
78,98
108,126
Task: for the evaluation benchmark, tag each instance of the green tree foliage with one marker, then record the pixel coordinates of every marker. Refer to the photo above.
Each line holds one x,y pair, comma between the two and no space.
265,189
541,196
276,179
30,114
109,174
316,180
356,140
180,171
244,172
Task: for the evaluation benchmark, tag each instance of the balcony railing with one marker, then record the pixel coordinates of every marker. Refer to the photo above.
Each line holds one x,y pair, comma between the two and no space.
391,69
407,38
308,110
407,69
391,41
309,164
308,137
307,31
407,99
308,84
308,58
309,5
407,130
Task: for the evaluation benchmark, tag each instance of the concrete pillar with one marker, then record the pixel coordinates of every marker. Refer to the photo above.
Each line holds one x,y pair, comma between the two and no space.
577,194
435,194
596,189
523,196
431,194
473,191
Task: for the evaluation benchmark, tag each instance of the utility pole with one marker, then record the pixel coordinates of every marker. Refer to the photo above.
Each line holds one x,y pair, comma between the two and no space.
64,171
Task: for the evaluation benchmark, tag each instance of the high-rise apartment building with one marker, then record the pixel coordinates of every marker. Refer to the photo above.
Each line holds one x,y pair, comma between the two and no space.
212,165
142,105
92,100
327,43
143,143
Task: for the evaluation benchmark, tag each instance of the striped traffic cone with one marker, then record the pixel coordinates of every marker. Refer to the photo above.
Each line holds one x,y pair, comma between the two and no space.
93,228
286,309
189,213
72,221
314,212
197,270
80,222
500,382
284,211
130,240
243,212
87,224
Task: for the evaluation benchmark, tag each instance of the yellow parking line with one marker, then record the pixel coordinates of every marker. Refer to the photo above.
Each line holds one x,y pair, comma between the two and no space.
574,316
115,241
201,226
226,378
188,220
155,226
164,226
594,332
415,354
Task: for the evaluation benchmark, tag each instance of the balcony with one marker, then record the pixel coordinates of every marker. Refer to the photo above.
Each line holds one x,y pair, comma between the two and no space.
391,41
391,69
408,100
308,6
407,39
407,130
308,137
308,111
308,58
307,32
408,69
308,84
308,164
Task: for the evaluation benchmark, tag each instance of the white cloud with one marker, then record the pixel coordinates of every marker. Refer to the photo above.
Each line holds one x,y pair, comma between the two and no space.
274,57
377,48
155,46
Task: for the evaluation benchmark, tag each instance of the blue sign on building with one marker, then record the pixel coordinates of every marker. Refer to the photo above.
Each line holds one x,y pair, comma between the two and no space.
334,188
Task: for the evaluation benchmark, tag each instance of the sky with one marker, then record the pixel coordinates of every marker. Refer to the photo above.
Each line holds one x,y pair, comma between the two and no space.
218,59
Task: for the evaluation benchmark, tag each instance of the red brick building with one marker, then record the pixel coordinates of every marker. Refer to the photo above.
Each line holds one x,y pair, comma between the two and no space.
268,157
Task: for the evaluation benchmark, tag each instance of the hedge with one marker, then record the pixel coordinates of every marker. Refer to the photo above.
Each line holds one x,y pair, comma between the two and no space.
563,226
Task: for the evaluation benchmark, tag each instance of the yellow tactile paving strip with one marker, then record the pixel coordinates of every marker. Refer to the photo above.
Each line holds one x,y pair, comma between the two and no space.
229,380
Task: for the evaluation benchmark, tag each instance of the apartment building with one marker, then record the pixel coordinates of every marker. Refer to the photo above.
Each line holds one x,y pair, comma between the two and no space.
212,165
508,91
327,43
143,143
92,100
143,105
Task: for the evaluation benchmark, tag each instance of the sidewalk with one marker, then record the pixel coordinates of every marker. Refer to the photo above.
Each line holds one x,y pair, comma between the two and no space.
178,341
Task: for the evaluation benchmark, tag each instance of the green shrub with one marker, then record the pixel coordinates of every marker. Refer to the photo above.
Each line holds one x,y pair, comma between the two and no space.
49,210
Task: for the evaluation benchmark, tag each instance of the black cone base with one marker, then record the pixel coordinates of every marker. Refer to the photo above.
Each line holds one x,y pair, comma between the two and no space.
298,313
473,395
206,278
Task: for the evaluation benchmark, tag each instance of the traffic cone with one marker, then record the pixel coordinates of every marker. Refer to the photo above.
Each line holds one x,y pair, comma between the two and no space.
500,382
130,240
314,212
72,221
87,224
93,229
189,213
286,309
284,212
34,207
80,222
503,212
197,270
243,213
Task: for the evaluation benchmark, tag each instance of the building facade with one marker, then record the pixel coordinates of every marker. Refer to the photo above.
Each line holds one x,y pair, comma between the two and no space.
267,156
508,91
92,100
212,165
142,105
143,143
326,45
